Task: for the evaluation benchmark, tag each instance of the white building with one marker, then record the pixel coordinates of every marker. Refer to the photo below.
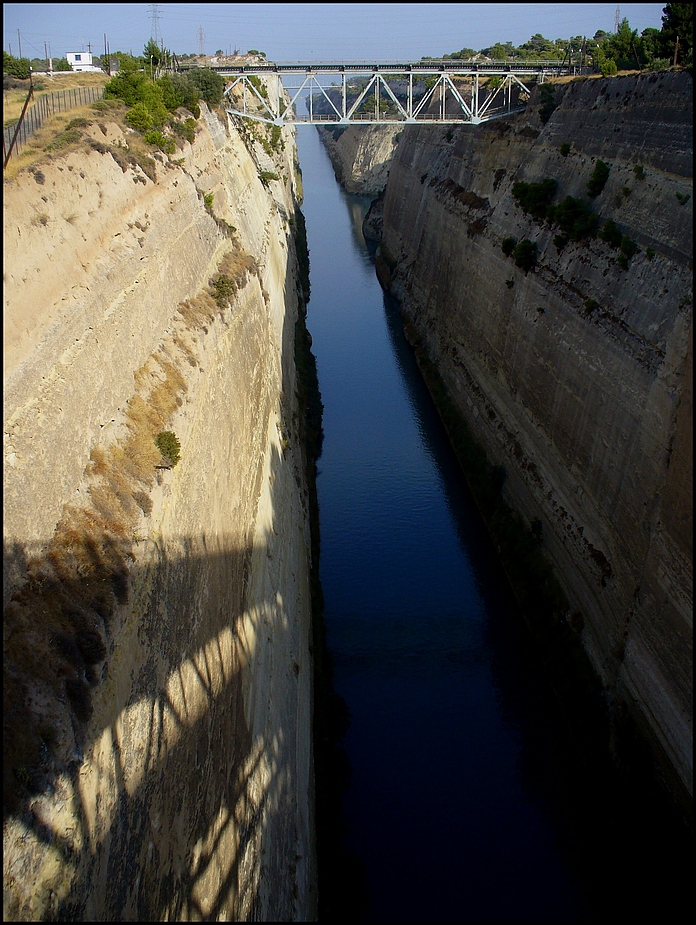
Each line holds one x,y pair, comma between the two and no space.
81,61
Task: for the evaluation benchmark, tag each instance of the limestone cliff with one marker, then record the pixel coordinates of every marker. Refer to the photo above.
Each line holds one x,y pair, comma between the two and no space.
361,155
575,373
157,668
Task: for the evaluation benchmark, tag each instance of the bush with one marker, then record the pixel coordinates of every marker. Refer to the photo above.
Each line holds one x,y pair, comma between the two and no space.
127,83
209,84
560,241
508,246
574,217
598,179
139,117
547,93
68,137
628,247
565,149
185,129
178,90
156,138
610,233
535,198
266,175
170,448
639,171
223,290
649,252
525,255
15,67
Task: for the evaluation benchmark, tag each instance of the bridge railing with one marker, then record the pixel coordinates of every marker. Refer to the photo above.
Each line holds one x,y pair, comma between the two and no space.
394,96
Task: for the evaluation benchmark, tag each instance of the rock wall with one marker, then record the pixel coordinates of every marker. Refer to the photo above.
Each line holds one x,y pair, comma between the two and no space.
576,375
157,670
361,155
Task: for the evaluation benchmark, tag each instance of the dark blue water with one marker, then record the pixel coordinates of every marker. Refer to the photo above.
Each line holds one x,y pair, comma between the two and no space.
453,806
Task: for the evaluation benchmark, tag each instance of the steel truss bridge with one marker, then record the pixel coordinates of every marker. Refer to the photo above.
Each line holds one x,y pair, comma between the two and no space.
454,92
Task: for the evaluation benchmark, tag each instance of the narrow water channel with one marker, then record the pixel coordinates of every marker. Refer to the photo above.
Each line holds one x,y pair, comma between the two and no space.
470,797
450,805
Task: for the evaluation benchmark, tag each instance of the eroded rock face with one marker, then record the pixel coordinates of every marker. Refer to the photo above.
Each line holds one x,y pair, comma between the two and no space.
361,155
575,375
175,777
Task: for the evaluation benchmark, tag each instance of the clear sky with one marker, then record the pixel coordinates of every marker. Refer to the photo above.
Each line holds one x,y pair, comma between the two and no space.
308,31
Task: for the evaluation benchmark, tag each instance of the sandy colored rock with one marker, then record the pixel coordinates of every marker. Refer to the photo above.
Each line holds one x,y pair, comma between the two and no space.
189,792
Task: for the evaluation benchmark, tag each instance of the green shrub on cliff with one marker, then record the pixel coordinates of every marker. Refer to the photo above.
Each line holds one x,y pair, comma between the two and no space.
574,217
610,233
598,179
170,448
525,255
209,84
534,198
156,138
547,94
508,246
223,290
139,117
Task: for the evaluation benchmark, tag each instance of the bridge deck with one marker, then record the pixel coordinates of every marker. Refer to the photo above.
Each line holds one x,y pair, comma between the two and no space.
433,91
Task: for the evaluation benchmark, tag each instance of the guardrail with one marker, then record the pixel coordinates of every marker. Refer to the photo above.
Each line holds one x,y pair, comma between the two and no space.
45,107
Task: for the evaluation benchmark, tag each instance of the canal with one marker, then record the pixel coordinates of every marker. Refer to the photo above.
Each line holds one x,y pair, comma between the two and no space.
451,805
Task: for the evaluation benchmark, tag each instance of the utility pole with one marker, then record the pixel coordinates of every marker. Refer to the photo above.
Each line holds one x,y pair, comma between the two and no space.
19,39
676,50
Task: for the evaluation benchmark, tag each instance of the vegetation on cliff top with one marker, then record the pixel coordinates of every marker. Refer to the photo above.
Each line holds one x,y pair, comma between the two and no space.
609,52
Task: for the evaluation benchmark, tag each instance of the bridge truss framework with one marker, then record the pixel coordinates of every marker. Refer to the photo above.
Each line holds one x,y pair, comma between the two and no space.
454,92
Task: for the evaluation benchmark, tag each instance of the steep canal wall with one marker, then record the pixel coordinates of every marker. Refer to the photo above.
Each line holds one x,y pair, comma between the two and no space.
574,369
157,621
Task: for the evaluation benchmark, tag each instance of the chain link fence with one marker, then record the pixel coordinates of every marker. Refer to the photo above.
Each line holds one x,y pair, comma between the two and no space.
45,107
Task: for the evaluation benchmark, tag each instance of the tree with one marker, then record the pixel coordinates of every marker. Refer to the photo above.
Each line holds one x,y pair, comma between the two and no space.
126,84
152,53
620,46
62,64
650,45
178,90
208,83
678,22
15,67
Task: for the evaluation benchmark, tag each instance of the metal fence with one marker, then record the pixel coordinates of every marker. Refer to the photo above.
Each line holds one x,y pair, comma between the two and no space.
45,107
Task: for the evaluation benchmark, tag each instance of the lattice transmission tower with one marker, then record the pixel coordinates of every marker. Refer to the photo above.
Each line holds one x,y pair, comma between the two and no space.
154,16
617,19
201,36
